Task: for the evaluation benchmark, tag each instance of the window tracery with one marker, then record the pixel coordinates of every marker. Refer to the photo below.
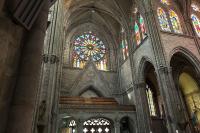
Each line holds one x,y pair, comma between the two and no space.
137,27
97,125
164,24
175,21
137,34
89,47
196,24
124,44
150,99
142,27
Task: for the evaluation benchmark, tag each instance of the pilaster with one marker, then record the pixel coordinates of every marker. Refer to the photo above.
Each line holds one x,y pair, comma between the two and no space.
116,126
143,116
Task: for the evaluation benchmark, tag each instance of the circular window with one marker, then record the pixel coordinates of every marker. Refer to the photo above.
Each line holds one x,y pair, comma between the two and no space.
88,46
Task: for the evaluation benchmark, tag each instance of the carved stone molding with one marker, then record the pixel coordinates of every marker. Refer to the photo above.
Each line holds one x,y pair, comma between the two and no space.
164,69
52,59
45,58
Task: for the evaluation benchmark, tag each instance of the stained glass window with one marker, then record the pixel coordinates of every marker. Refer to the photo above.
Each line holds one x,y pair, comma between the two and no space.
89,47
175,21
142,27
163,19
196,24
150,99
99,125
124,44
164,2
137,34
195,7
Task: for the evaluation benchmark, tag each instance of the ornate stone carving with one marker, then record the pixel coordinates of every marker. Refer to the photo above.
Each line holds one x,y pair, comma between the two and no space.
50,59
54,59
45,58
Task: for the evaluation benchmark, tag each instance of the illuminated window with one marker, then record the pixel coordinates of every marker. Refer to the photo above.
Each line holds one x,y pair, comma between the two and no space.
175,21
89,47
124,44
142,27
164,2
137,34
99,125
138,29
163,19
191,94
196,24
150,99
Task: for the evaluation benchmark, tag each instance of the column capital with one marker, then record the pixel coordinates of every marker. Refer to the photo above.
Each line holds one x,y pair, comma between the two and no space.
164,69
54,59
45,58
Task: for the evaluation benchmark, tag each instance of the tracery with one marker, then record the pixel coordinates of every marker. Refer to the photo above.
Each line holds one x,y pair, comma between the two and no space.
89,47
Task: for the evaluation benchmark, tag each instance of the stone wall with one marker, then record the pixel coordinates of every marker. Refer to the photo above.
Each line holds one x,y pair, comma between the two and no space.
75,81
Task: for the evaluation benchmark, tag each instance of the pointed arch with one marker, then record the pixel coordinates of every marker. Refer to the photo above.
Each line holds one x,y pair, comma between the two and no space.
175,21
196,24
162,17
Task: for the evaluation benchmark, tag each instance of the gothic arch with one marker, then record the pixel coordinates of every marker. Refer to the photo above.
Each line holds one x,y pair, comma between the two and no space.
185,66
128,122
142,65
188,55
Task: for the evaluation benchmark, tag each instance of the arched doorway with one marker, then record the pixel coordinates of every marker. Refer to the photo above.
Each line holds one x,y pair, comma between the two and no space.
188,90
126,125
154,100
97,125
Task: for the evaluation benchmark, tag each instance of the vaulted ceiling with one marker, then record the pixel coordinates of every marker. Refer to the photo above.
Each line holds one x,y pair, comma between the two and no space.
102,16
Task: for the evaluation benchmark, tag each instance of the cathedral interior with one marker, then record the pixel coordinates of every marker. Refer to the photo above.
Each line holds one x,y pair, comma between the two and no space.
99,66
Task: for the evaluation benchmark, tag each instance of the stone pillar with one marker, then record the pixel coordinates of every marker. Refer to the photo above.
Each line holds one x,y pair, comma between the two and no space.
22,111
168,95
143,116
10,45
80,126
116,126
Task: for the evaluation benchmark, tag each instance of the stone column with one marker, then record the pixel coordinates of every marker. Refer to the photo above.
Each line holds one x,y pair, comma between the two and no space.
143,116
116,126
22,111
170,104
10,45
80,126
